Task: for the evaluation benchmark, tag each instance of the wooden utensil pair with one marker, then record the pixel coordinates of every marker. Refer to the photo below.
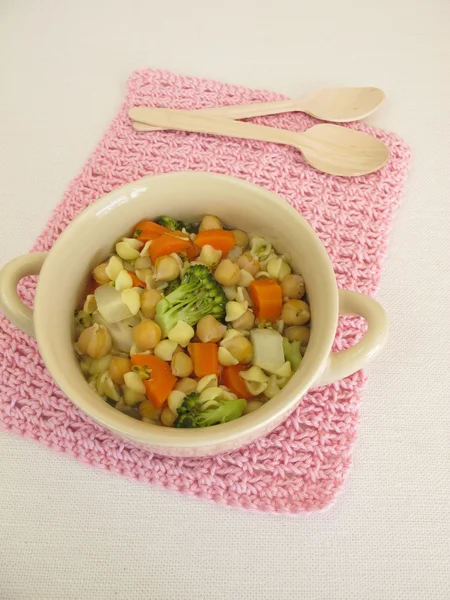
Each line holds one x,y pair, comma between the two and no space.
328,148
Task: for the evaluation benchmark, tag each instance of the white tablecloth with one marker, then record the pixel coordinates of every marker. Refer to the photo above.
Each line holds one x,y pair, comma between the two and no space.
70,531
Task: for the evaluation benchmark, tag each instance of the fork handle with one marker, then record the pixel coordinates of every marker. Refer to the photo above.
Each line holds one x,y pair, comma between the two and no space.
204,123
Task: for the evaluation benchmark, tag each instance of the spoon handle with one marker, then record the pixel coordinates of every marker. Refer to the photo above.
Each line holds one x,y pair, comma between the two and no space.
235,111
204,123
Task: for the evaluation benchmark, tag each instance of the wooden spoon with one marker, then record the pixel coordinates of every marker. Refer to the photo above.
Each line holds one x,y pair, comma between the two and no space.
340,104
329,148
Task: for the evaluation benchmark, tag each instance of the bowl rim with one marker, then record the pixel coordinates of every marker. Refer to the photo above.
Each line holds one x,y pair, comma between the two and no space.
250,426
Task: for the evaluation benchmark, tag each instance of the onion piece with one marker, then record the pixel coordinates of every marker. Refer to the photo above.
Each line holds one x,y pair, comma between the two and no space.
110,304
121,333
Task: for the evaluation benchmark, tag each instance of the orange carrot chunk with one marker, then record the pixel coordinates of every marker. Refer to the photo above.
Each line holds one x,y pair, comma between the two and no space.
220,239
168,243
267,298
161,380
149,230
234,382
191,251
136,281
205,358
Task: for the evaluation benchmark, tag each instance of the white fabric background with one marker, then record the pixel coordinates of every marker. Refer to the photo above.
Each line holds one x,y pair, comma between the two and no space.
70,531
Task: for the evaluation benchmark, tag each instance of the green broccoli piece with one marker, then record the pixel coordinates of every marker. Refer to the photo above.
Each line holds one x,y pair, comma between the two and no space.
175,225
292,353
170,223
190,227
172,286
193,414
198,295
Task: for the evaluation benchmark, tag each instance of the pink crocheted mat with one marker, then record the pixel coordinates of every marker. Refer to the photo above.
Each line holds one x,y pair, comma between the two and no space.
301,465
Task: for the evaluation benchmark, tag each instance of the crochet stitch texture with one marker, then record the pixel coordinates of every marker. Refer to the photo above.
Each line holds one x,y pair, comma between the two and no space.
301,465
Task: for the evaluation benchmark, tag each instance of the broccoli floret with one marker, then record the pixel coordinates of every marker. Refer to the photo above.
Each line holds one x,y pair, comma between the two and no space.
198,295
190,227
175,225
173,285
170,223
193,414
292,353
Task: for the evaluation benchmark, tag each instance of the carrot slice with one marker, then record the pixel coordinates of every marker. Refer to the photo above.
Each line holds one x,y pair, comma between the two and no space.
267,298
149,230
234,382
220,239
168,243
191,251
136,281
205,358
161,381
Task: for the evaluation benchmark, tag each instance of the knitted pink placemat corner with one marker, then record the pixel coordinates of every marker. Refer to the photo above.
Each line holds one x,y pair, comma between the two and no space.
301,465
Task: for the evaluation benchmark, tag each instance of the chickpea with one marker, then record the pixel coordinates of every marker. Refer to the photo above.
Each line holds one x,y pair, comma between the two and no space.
295,312
146,335
166,268
187,385
298,333
209,329
227,273
241,238
252,405
149,300
210,222
240,348
95,341
293,286
167,417
118,367
249,263
245,322
100,275
182,365
148,411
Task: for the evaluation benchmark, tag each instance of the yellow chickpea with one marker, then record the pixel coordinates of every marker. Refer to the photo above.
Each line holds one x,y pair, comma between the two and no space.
210,329
249,263
295,312
118,367
227,273
167,417
148,411
241,238
182,365
149,300
245,322
99,274
187,385
293,286
210,222
298,333
146,335
95,341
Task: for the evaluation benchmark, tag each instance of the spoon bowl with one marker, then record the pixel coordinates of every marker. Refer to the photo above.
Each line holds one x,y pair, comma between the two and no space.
342,104
342,151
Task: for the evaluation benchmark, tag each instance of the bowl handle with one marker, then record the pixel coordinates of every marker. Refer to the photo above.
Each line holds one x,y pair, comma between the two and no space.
12,306
342,364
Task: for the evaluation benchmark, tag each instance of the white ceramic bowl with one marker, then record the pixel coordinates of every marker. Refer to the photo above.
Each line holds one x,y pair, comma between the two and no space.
189,195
